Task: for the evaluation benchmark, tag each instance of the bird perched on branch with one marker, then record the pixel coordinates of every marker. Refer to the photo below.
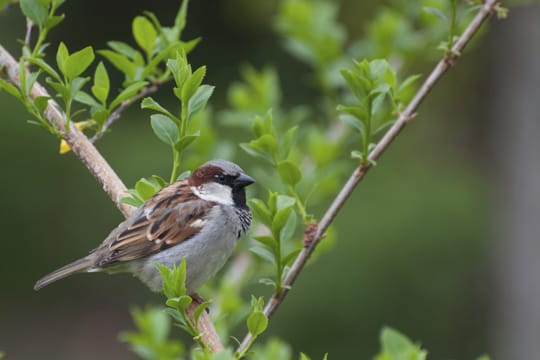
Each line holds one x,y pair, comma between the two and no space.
199,218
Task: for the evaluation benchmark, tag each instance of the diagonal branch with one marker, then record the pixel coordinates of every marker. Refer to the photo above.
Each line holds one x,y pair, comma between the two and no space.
314,237
81,147
102,171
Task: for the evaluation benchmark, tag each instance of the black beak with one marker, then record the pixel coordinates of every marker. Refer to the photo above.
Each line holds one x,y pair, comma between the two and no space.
243,180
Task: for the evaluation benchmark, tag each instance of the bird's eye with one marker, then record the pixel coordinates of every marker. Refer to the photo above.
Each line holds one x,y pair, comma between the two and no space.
220,178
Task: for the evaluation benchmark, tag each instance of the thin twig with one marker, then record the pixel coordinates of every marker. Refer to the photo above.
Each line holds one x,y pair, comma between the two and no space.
123,106
28,35
403,119
98,166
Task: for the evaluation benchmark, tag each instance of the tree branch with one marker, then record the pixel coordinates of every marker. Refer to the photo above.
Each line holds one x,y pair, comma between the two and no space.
358,174
102,171
78,142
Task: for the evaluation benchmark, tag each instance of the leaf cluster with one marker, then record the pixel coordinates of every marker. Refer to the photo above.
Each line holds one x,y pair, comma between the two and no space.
151,340
396,346
379,98
278,215
140,67
178,300
192,95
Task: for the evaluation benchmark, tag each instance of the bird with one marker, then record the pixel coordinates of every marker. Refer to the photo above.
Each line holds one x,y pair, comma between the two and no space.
199,218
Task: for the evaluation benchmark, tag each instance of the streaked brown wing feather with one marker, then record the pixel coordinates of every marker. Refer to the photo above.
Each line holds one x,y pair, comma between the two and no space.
173,219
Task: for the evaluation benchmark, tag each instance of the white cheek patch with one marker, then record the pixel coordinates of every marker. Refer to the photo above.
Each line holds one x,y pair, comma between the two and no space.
214,192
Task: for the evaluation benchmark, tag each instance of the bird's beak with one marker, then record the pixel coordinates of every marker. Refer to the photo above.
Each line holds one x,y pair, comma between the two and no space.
243,180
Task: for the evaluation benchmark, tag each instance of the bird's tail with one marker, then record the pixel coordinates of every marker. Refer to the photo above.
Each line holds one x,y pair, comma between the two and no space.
69,269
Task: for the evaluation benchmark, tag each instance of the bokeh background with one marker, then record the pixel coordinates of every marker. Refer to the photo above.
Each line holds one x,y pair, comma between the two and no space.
440,241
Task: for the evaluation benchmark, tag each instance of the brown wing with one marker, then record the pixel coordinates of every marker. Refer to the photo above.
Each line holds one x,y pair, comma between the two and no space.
175,217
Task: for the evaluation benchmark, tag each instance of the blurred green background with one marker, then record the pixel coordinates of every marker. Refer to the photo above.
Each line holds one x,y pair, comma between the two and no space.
416,241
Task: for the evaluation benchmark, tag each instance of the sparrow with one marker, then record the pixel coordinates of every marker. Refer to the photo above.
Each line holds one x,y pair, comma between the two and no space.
199,218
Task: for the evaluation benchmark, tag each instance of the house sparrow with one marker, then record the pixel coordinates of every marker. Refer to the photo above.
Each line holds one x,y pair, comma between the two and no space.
199,218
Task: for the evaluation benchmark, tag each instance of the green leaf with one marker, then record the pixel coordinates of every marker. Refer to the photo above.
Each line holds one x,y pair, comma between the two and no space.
150,341
359,85
395,342
199,99
100,116
151,69
35,10
87,99
200,308
288,229
267,282
288,141
304,356
266,240
131,201
41,103
164,128
381,71
145,188
186,46
101,83
128,92
76,85
397,346
45,67
58,87
256,153
78,62
405,86
180,19
124,49
435,12
174,280
266,143
280,219
192,83
183,175
52,21
160,181
180,303
352,120
284,201
62,54
356,154
144,33
121,62
10,89
149,103
180,69
263,253
287,259
185,141
289,172
257,323
260,211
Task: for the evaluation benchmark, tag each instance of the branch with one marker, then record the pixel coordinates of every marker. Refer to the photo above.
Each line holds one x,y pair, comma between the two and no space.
314,237
28,35
81,147
98,166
